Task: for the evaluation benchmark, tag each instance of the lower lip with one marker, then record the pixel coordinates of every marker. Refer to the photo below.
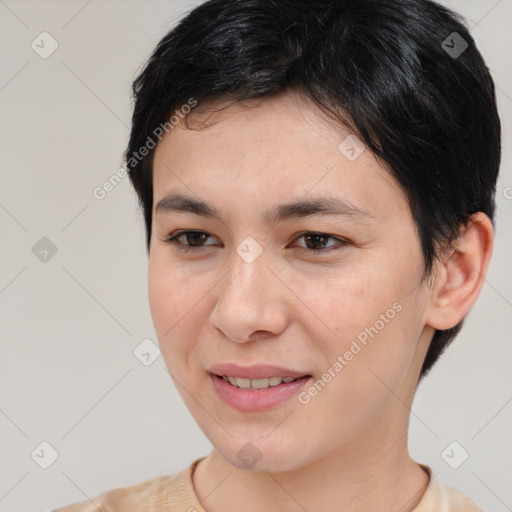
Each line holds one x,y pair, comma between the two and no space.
253,400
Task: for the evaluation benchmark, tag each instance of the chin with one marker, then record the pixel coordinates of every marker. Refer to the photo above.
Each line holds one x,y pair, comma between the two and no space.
263,454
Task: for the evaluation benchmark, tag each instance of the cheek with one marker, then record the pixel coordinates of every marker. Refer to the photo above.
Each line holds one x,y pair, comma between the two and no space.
170,298
367,364
177,303
172,290
163,288
371,315
342,303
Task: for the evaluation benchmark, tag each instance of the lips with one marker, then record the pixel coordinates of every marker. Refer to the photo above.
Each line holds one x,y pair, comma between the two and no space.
254,399
255,388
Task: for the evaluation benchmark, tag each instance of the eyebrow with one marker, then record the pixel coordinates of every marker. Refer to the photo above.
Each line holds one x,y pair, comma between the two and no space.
317,206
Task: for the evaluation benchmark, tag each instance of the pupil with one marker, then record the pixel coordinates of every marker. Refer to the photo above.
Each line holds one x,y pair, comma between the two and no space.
315,239
196,237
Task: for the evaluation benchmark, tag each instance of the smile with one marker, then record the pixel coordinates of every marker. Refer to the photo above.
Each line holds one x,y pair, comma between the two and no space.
256,395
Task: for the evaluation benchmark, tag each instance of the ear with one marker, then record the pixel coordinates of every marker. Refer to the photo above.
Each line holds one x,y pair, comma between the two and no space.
461,273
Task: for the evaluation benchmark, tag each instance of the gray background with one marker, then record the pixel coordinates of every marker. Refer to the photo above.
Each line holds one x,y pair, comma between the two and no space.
70,324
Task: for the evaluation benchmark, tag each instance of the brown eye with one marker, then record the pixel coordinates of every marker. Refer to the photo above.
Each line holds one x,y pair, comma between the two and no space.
318,243
194,238
316,240
190,240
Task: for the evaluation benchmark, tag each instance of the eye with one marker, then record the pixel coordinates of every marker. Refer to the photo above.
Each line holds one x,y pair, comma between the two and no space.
315,243
314,240
193,240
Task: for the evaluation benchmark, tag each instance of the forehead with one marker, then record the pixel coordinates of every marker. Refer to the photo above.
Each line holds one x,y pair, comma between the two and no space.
269,151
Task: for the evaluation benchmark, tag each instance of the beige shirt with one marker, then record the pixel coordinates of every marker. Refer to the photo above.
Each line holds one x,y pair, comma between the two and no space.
176,494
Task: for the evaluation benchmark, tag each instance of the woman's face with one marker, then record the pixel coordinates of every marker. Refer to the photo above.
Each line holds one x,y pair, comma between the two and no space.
246,288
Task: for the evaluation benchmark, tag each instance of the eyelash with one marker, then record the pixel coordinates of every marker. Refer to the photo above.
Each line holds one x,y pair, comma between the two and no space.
173,239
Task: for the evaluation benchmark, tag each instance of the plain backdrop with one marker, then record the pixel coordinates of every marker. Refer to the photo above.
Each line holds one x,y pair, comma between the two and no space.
70,323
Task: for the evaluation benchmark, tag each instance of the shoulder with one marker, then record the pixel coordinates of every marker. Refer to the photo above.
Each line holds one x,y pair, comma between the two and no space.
439,496
148,493
155,495
458,501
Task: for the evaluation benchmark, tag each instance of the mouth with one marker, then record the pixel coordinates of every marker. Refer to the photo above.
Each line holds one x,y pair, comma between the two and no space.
256,388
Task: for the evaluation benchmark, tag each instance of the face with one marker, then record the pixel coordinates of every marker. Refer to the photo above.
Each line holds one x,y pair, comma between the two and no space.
328,292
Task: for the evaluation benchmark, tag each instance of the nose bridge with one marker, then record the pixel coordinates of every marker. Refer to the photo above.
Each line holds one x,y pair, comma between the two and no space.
245,283
248,300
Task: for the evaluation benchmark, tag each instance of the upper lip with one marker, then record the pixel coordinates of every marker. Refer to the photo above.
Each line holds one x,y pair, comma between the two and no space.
260,371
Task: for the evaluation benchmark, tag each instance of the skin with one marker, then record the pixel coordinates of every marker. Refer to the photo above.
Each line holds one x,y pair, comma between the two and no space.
299,310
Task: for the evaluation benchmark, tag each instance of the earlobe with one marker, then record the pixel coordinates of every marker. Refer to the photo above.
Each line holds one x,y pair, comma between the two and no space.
461,274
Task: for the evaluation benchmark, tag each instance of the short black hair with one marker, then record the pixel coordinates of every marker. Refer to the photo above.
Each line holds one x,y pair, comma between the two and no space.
404,76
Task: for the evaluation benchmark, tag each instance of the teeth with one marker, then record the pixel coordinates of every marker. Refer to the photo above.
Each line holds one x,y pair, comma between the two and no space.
243,383
257,383
260,383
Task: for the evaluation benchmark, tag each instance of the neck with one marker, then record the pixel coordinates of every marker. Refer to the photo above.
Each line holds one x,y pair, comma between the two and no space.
374,472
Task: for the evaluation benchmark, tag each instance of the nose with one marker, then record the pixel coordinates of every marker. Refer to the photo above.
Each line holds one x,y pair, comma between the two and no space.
251,302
